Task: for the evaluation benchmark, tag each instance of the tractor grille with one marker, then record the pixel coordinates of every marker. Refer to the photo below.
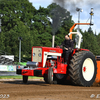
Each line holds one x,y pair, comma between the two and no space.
37,54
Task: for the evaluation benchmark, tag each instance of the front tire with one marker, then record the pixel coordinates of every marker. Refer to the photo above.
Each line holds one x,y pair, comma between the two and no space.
25,79
50,75
48,78
83,68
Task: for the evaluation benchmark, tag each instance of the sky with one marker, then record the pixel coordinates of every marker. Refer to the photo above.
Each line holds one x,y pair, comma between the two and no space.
71,5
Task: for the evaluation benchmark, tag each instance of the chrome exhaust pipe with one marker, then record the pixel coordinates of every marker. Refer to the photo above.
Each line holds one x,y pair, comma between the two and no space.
32,64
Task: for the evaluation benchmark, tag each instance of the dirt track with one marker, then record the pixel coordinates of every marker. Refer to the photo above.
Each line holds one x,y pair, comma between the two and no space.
38,90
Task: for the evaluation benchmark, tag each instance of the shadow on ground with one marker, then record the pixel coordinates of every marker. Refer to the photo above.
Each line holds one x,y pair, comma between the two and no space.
42,83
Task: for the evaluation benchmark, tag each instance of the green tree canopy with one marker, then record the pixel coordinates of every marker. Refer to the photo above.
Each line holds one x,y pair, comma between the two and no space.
16,21
90,42
21,19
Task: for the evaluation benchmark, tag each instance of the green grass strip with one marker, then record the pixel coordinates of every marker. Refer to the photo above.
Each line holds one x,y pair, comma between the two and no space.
21,63
19,77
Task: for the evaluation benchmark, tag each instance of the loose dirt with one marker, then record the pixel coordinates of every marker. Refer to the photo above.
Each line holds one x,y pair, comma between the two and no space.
39,90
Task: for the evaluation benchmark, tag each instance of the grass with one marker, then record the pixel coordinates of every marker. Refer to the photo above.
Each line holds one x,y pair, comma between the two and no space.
19,77
21,63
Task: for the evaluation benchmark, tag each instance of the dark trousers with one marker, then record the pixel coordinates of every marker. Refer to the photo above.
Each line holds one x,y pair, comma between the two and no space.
67,53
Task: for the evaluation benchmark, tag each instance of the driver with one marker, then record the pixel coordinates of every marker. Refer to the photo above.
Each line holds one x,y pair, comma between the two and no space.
68,45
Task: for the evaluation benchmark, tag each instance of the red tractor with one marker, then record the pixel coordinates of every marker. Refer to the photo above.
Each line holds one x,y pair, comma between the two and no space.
48,62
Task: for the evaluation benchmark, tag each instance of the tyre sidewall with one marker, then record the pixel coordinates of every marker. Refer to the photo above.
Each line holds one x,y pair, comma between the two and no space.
83,81
25,79
50,75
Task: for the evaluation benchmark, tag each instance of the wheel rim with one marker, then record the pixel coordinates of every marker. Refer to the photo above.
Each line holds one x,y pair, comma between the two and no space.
59,76
88,69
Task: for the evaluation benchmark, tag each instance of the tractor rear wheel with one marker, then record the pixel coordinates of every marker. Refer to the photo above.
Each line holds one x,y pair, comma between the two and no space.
83,68
25,79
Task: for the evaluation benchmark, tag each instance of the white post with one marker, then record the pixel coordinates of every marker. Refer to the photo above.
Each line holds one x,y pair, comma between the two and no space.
20,39
53,40
20,50
0,25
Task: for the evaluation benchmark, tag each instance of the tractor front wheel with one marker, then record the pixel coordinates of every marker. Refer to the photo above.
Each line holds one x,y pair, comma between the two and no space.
25,79
52,78
49,77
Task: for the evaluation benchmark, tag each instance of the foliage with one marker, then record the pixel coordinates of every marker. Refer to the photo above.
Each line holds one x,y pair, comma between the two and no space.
16,21
90,42
21,19
62,21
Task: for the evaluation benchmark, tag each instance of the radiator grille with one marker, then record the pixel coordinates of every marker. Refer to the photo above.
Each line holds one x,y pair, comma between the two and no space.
37,54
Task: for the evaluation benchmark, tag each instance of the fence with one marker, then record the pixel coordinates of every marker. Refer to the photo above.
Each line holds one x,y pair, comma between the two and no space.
8,63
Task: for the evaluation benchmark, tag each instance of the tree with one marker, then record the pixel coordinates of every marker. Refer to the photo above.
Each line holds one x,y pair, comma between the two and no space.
98,41
90,42
21,19
41,28
16,21
62,21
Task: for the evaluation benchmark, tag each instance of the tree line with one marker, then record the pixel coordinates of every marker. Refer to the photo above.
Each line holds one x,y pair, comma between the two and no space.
21,19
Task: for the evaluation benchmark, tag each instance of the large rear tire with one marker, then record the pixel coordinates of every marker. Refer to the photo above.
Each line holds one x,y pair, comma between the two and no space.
83,68
25,79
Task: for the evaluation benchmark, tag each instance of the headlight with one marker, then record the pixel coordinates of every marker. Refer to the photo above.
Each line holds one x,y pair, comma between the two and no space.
33,54
39,54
